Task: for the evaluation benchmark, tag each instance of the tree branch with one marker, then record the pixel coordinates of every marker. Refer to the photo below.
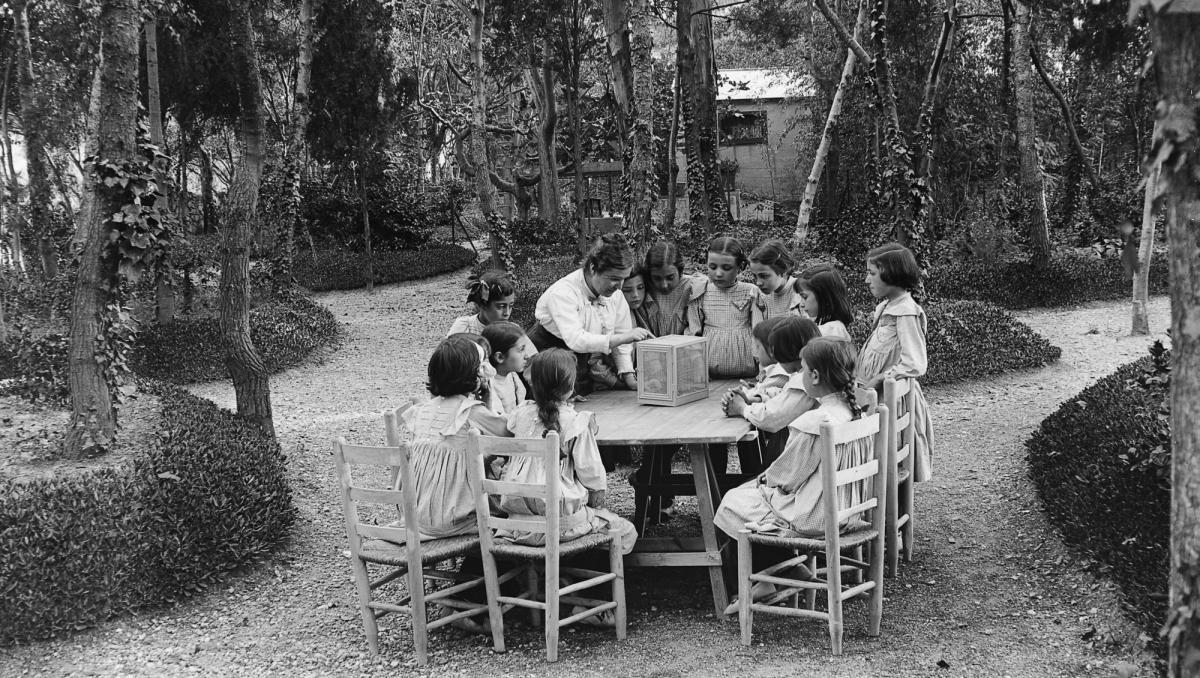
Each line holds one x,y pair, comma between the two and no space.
1066,110
848,40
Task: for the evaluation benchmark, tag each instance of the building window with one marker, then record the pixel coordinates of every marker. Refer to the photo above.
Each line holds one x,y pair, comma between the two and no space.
743,127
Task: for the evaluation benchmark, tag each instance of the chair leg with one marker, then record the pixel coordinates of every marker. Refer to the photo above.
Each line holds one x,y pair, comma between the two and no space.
834,595
616,563
491,585
531,580
891,517
416,592
875,613
745,569
552,612
362,581
908,526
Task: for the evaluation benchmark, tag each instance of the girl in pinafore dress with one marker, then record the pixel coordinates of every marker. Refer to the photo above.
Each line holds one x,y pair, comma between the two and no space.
896,347
507,341
771,266
437,433
788,498
669,289
725,310
492,295
583,480
823,297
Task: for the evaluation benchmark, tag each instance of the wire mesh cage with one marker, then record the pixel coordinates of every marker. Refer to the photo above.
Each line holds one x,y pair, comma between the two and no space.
672,370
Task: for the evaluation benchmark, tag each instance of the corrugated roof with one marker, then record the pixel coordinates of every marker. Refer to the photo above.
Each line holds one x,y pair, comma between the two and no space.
754,84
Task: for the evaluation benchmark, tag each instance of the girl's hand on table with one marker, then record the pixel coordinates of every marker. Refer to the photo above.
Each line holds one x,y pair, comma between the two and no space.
576,398
630,379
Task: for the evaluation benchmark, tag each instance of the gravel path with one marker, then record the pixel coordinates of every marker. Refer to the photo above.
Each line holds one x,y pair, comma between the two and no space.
991,591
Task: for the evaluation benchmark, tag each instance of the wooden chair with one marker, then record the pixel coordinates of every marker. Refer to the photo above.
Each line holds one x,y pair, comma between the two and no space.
898,527
397,551
547,449
835,474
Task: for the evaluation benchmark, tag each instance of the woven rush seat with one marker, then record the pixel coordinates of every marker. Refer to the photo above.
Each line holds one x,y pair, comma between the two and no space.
503,547
848,539
434,550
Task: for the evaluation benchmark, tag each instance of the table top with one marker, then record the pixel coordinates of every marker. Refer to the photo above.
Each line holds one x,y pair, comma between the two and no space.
624,422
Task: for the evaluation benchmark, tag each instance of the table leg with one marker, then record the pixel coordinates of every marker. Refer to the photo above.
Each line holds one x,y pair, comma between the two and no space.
704,477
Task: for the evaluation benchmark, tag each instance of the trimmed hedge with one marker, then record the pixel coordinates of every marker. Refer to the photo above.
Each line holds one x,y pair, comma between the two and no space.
207,496
341,269
1071,278
1102,465
189,350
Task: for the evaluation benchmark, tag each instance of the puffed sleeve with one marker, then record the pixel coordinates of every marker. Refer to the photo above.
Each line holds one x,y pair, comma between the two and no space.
695,307
560,311
488,422
913,361
585,453
778,412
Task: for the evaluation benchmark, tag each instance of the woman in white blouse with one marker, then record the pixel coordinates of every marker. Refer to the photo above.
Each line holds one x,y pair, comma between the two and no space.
583,313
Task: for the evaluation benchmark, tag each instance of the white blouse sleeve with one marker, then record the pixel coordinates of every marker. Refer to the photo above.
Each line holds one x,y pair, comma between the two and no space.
559,309
913,360
778,412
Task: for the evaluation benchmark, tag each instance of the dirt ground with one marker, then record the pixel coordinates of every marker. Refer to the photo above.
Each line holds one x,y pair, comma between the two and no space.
991,590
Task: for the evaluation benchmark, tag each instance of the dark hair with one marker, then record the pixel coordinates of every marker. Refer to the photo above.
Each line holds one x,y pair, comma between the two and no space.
727,245
834,359
485,388
827,285
454,367
551,381
790,337
502,336
773,253
897,266
490,286
664,253
609,251
762,331
639,270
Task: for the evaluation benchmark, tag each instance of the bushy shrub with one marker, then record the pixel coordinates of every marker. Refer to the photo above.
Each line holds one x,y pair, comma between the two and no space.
208,495
1071,278
1102,466
38,366
971,340
533,278
403,214
189,350
339,269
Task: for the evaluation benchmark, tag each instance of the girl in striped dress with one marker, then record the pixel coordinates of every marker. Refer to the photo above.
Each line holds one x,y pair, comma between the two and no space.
771,266
668,289
725,311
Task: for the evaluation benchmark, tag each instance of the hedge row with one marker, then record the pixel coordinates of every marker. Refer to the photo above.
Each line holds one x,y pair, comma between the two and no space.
189,350
208,495
1071,278
1102,465
340,269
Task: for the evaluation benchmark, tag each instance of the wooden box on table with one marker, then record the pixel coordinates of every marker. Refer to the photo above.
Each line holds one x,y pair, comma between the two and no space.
672,370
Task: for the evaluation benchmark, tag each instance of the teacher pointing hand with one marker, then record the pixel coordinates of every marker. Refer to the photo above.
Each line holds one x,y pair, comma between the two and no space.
582,313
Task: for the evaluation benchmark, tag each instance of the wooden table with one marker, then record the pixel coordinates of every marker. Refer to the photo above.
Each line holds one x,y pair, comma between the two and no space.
697,425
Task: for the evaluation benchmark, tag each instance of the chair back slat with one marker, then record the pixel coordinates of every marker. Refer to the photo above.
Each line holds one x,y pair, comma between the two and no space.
852,474
479,447
848,513
364,495
398,535
854,430
903,421
850,486
364,455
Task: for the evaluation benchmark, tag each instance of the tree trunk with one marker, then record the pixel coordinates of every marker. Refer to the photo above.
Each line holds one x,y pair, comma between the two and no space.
285,240
1032,185
706,195
35,151
87,204
10,180
251,384
835,110
181,178
1175,36
1065,107
629,54
1141,277
366,218
672,151
484,191
540,76
576,118
164,293
207,217
93,421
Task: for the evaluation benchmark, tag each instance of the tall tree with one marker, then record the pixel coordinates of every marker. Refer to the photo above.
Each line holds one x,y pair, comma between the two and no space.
1032,185
35,150
1175,33
285,240
251,384
485,192
92,420
541,76
697,75
630,45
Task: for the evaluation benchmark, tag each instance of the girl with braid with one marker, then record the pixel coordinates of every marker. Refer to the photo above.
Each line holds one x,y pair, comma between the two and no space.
583,484
787,499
